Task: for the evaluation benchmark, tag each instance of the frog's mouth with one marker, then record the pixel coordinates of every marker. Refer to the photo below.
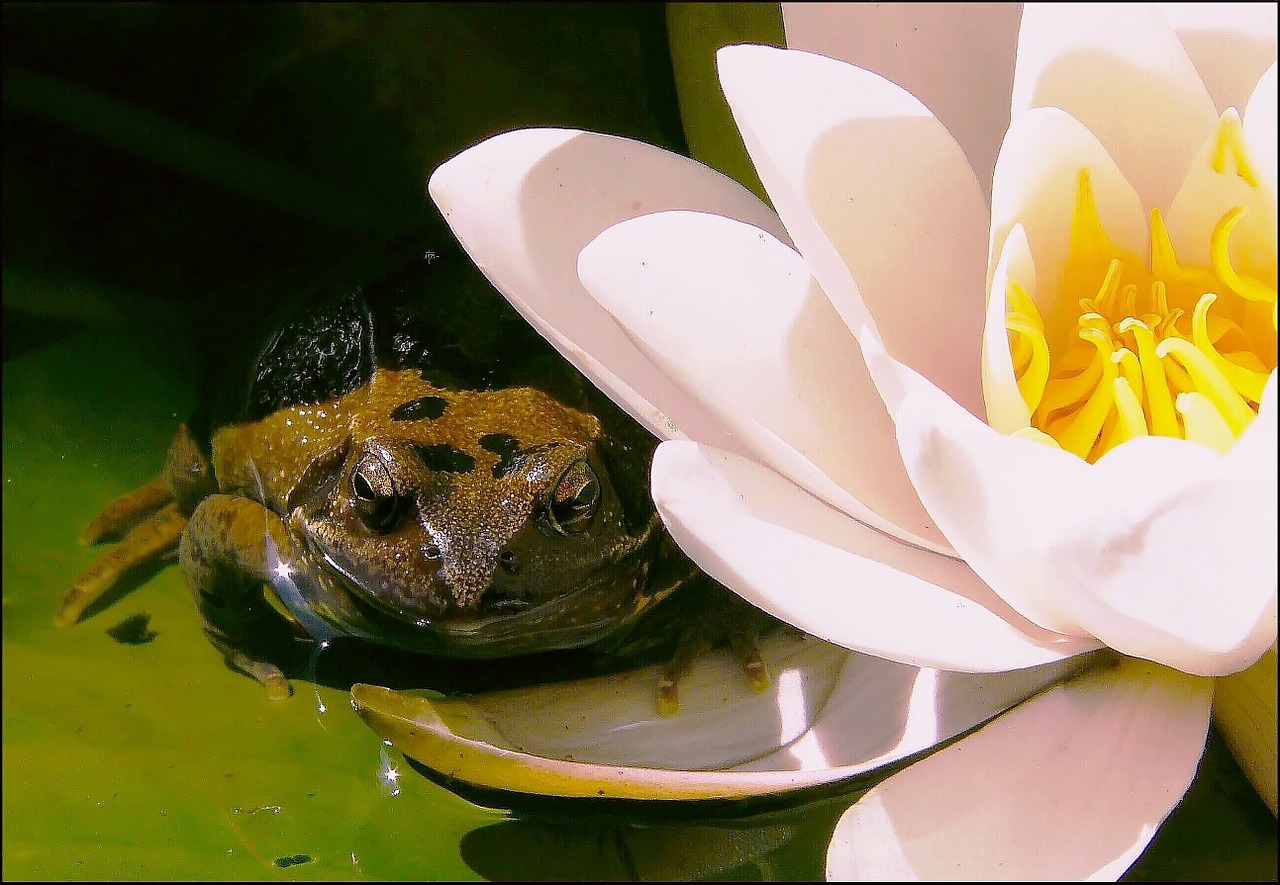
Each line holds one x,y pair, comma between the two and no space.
608,600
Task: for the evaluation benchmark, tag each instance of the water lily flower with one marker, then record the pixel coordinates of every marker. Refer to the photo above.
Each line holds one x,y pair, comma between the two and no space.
953,433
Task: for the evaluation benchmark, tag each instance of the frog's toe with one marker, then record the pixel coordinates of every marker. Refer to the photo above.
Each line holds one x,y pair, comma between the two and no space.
719,619
126,512
693,647
751,661
147,543
693,644
668,696
266,674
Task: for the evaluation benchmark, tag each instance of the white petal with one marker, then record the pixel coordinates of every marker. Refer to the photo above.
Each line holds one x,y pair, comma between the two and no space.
956,58
1000,501
524,203
1006,409
1181,567
877,197
1157,549
1253,455
732,316
1122,72
1230,44
1037,179
1071,785
1206,195
1260,127
828,714
815,568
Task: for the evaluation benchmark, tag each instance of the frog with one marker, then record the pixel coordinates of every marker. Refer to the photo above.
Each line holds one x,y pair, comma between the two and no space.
399,467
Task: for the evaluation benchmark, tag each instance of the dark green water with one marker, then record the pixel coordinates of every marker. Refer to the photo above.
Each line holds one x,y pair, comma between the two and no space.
167,169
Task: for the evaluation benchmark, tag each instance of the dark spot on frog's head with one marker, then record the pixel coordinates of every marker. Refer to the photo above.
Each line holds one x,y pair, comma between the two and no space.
430,407
446,459
505,447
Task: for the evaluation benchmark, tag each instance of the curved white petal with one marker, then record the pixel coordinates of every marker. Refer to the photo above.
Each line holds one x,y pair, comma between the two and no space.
1121,71
827,714
1037,179
997,508
815,568
1006,409
524,203
1071,785
957,58
878,198
1181,567
1230,44
732,316
1157,549
1260,127
1208,193
1253,456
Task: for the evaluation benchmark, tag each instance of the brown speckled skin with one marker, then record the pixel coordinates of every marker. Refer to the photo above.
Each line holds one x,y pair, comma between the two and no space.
470,566
408,463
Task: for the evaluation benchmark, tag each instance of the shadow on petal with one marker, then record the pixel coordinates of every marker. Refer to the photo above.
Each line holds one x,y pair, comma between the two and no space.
910,226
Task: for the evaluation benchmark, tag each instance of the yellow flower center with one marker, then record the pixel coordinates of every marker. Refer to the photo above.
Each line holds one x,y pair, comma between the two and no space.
1159,348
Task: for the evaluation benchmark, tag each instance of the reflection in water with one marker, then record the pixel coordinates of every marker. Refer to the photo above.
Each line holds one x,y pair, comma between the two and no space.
313,665
622,844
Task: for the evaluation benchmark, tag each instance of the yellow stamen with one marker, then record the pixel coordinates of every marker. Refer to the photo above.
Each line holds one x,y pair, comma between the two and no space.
1205,423
1209,382
1159,348
1154,383
1080,430
1061,393
1130,371
1230,146
1130,422
1032,378
1245,287
1248,382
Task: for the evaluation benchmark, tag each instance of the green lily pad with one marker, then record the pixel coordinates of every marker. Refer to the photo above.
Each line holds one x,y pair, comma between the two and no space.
153,760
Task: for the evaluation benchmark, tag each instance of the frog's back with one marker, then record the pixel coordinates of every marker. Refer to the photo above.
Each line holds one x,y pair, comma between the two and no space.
436,316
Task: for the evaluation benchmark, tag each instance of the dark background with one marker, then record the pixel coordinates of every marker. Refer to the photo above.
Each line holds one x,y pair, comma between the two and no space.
206,160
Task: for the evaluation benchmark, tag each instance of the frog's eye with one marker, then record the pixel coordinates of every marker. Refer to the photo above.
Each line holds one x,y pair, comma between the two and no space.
574,499
376,500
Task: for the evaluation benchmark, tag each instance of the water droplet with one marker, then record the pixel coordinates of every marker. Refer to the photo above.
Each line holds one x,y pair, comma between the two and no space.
388,774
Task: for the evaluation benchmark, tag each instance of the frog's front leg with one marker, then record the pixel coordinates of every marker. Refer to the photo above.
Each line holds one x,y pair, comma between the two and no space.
148,520
232,547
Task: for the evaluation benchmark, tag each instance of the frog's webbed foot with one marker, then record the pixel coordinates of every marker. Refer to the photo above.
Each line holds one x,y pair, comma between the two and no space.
724,619
231,548
265,673
148,522
127,511
150,541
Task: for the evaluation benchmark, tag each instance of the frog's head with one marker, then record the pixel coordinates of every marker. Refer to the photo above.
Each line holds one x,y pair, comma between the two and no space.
479,524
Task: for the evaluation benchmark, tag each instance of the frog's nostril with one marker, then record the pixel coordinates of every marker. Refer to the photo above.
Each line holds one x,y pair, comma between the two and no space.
506,593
